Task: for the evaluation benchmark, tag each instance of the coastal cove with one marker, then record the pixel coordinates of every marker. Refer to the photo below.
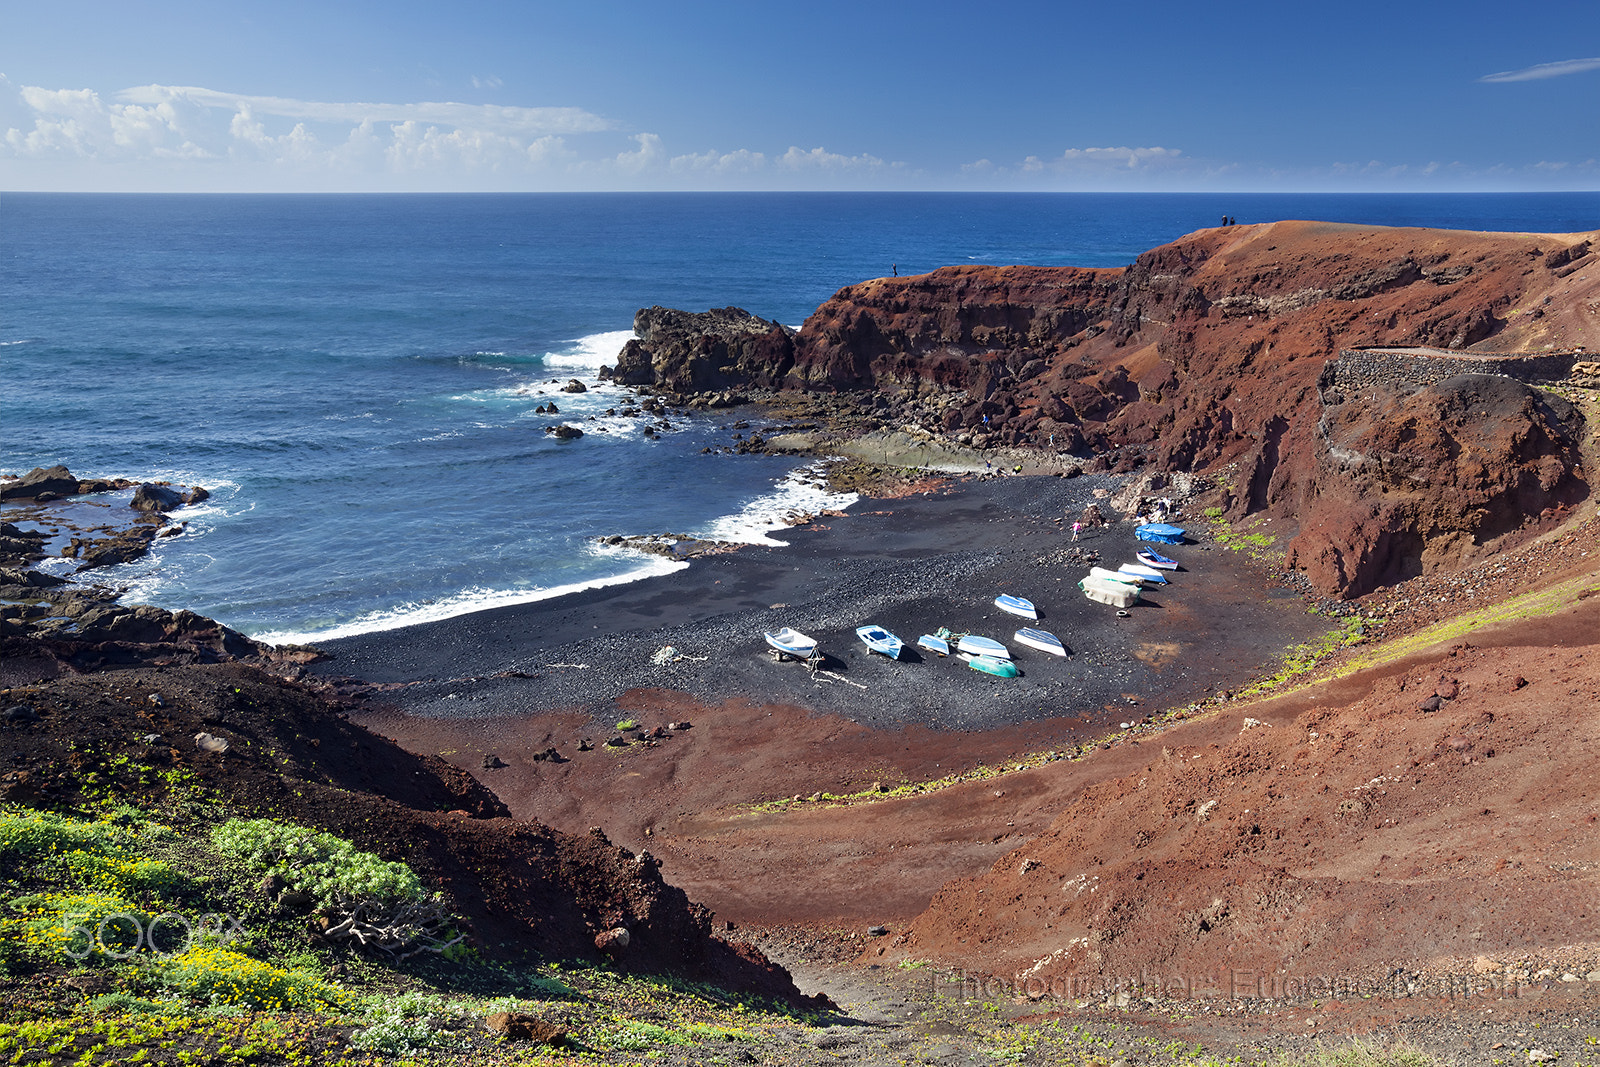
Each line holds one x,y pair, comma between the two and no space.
489,589
357,379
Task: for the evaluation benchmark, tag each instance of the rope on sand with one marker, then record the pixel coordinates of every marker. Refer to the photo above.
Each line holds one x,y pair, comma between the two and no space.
829,676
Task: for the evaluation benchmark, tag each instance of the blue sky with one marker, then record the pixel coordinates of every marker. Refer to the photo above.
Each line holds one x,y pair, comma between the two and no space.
597,95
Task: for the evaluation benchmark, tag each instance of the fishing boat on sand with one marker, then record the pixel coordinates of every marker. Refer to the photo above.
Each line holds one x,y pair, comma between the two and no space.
973,645
1016,605
1149,574
877,639
1116,576
1000,668
937,645
1116,594
1042,640
1151,558
1160,532
791,644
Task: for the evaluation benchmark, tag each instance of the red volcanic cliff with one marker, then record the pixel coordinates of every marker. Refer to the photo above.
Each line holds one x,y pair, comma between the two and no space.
1208,354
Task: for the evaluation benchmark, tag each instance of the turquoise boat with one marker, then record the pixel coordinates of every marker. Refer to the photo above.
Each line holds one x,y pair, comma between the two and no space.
1000,668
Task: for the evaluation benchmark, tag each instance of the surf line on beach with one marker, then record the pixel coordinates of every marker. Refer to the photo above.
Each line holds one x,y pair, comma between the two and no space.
795,501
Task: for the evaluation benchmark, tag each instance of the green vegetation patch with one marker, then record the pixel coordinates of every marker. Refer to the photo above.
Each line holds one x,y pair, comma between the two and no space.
325,866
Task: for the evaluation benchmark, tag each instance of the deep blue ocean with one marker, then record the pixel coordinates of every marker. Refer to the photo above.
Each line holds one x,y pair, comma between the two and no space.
355,377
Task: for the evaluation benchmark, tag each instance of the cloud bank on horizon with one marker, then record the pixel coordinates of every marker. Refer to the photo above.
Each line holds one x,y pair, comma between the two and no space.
189,138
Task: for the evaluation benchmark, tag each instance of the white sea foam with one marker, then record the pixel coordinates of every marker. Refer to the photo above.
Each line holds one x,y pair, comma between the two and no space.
801,494
471,600
590,353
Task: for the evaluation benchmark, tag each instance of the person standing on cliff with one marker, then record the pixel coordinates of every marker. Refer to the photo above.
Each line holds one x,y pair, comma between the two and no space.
896,268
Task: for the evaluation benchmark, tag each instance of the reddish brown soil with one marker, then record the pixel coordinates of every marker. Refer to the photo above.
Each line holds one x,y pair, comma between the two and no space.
1355,831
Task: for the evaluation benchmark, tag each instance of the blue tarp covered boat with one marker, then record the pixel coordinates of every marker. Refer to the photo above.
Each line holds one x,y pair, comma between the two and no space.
1163,533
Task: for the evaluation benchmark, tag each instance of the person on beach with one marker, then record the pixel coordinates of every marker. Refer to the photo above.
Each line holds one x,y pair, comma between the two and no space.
1076,526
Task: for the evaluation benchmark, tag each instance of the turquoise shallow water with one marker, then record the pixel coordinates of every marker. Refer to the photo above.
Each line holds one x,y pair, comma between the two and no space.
355,377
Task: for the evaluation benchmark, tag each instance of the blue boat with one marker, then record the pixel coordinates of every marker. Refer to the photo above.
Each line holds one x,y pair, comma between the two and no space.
1151,558
1160,532
1043,640
1016,605
1143,572
973,645
877,639
937,645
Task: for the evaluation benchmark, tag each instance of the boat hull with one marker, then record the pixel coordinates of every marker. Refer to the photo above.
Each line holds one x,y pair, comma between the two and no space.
1160,532
1115,594
792,643
1016,605
879,640
1000,668
937,645
973,645
1106,575
1042,640
1140,571
1156,560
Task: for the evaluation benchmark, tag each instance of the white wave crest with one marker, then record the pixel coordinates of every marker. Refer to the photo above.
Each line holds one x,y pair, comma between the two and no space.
800,495
470,600
590,353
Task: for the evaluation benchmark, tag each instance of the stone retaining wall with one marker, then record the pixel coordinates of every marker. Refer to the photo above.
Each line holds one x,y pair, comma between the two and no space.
1357,368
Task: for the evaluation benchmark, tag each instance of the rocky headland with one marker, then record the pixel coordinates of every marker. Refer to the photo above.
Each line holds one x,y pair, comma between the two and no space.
1378,388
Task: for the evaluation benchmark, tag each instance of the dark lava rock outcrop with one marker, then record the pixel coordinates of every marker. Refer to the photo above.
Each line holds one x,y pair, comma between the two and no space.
685,352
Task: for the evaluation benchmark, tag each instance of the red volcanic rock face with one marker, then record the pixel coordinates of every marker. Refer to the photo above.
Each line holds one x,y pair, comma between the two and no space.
1208,352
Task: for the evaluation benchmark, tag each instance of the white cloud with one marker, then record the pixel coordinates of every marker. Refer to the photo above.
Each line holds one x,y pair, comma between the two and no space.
231,140
1545,70
527,121
822,159
1090,163
1130,158
743,161
491,82
647,157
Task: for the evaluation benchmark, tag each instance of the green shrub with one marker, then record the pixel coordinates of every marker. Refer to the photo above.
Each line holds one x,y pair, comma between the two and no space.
323,865
226,978
73,927
394,1036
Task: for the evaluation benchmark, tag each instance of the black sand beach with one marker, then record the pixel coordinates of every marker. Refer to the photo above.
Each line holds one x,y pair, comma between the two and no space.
911,564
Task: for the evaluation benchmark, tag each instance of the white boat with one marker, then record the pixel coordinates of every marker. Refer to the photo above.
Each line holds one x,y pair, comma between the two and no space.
1139,570
1151,558
1117,594
787,642
1016,605
1042,640
937,645
877,639
1116,576
973,645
